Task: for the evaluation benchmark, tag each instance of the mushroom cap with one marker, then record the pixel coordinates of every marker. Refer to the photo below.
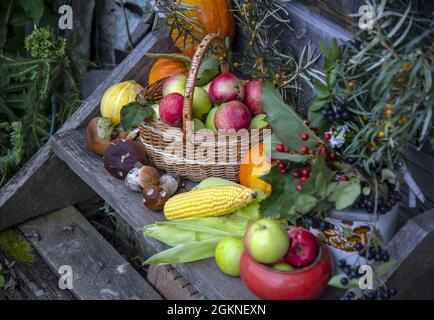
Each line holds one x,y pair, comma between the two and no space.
121,156
148,176
154,197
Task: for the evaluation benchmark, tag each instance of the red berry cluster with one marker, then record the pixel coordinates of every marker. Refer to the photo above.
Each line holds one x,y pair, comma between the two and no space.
302,175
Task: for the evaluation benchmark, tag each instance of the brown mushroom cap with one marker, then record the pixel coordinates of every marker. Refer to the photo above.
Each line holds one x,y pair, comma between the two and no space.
98,135
154,197
121,156
148,176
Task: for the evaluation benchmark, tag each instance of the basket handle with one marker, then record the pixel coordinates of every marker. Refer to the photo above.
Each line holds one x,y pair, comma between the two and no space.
217,45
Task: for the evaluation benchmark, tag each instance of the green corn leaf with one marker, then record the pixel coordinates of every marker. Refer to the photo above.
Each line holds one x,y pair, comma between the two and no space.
186,253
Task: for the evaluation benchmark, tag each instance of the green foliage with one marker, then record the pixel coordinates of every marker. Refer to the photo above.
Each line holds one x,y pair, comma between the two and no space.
26,85
13,151
267,56
44,44
287,124
386,75
16,246
133,114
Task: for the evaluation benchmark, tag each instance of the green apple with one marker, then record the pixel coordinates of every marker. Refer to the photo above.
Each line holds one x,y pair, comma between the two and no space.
175,83
267,240
228,254
198,124
201,103
156,115
259,121
210,120
206,88
282,266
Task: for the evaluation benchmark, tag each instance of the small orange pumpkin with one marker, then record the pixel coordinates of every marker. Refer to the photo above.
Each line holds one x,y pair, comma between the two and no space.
212,16
253,166
164,68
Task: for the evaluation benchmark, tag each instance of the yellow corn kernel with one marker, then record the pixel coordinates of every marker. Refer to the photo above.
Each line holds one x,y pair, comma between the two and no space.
209,202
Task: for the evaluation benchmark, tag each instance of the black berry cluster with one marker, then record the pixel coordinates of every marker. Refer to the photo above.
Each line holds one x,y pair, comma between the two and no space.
317,223
384,205
336,112
372,252
382,293
351,272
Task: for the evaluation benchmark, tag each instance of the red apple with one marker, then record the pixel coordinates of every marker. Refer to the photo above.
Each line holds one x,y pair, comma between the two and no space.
303,249
232,115
253,96
171,109
226,87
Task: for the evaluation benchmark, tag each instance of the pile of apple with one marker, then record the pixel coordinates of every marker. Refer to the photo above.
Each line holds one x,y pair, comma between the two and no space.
268,242
223,104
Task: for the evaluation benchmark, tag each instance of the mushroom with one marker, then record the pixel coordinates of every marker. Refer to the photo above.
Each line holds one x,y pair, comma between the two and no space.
148,176
169,183
132,179
154,197
121,156
98,135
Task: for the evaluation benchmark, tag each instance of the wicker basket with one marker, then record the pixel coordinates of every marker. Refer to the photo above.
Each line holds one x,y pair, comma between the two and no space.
183,152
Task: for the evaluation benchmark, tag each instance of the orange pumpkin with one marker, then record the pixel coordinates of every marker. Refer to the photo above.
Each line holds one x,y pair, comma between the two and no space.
254,165
213,16
164,68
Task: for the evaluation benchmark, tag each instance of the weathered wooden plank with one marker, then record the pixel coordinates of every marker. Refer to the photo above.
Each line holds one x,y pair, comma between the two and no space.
37,282
43,185
66,238
205,275
411,248
170,284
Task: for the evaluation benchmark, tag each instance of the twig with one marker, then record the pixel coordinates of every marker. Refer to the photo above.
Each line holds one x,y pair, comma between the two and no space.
130,39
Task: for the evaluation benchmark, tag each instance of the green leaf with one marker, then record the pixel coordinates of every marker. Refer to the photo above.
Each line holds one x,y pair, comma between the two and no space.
186,253
133,114
384,267
305,203
34,9
208,70
2,281
288,156
321,90
335,50
286,124
326,51
387,174
346,194
317,105
321,184
336,282
282,197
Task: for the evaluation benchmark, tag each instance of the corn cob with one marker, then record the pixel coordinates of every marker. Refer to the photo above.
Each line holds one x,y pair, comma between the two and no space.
209,202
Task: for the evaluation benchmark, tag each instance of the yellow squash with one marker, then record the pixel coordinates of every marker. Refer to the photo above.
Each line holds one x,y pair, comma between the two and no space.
116,97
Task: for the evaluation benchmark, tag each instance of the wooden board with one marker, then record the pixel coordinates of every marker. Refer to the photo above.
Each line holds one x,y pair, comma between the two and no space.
36,281
43,185
99,272
411,248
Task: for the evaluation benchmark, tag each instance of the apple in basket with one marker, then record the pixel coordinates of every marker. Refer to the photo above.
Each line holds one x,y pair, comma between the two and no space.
232,115
201,104
226,87
253,96
171,109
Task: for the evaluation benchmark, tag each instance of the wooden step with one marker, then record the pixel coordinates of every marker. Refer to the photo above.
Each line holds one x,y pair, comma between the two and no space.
66,238
71,148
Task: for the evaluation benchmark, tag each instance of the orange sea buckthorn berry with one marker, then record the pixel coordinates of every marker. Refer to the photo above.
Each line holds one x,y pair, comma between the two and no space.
381,134
405,68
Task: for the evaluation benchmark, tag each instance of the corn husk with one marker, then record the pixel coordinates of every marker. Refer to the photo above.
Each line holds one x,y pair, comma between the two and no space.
195,239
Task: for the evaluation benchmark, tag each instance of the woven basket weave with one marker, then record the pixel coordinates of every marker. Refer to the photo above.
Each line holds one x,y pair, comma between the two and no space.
175,150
